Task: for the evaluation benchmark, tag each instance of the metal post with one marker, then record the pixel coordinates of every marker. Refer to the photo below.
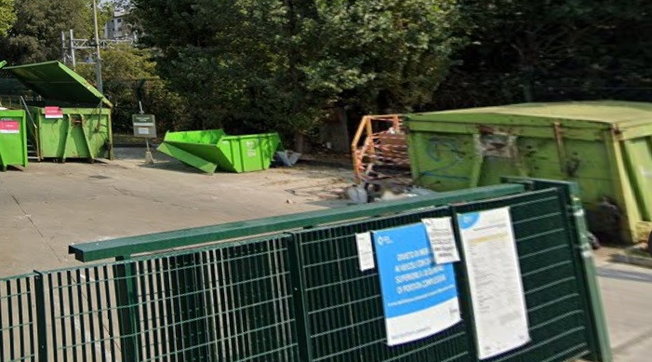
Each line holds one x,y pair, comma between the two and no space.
64,53
300,298
73,58
149,159
41,321
128,315
571,206
98,56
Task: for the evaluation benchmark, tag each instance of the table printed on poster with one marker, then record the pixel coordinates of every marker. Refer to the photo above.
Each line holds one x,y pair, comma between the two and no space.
495,281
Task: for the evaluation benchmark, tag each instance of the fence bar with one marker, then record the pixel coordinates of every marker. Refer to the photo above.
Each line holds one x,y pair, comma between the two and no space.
299,296
41,327
128,315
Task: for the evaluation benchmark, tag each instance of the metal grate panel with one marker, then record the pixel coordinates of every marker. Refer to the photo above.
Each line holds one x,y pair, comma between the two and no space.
343,305
294,297
552,292
17,319
230,302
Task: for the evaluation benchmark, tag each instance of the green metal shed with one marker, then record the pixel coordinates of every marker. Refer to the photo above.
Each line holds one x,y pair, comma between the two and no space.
73,119
605,146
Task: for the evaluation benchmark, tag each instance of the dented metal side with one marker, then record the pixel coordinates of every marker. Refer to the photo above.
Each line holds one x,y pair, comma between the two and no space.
611,160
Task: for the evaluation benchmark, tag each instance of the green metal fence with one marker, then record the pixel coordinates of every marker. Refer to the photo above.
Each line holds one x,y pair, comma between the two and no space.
17,318
297,295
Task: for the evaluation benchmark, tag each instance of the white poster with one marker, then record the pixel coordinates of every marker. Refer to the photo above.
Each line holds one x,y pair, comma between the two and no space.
495,281
442,239
365,251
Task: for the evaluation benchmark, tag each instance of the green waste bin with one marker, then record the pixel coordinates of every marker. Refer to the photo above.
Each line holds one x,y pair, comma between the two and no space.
605,146
13,139
73,119
213,150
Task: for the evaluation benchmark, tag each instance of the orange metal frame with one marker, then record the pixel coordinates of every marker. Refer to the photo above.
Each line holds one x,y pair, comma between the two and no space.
387,147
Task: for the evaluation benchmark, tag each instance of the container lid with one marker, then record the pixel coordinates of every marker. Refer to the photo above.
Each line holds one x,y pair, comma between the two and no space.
10,85
55,81
618,113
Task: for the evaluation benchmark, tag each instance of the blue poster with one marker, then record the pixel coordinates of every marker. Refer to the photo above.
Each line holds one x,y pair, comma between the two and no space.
419,296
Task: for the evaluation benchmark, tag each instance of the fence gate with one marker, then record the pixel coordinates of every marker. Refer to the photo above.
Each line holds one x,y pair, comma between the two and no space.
343,307
298,294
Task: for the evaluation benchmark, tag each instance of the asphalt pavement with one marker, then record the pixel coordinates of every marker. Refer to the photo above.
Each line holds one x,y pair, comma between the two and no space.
627,296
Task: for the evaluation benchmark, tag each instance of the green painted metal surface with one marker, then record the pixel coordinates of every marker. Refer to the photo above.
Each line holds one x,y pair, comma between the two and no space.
83,130
584,264
344,308
606,147
221,303
79,133
299,295
213,150
56,82
195,148
13,139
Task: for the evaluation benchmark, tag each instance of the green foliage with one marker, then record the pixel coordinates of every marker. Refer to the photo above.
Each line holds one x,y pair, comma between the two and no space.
36,35
522,50
7,16
283,64
129,76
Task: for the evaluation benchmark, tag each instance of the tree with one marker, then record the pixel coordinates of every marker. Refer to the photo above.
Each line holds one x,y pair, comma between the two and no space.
525,50
7,16
129,77
36,35
285,64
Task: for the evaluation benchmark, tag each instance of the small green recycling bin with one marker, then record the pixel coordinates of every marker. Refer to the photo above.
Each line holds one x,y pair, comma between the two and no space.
13,139
604,146
73,119
213,150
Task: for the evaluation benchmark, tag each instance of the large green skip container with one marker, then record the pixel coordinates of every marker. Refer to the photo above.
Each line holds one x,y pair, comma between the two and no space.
74,118
605,146
213,150
13,139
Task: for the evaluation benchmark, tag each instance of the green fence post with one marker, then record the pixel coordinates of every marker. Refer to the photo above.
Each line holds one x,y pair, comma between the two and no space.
41,328
583,259
587,275
298,294
127,303
462,275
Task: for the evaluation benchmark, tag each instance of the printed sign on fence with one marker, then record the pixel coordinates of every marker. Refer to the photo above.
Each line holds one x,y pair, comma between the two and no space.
365,251
442,239
495,281
419,297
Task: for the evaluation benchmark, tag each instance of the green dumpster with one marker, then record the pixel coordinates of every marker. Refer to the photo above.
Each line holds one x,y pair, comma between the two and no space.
13,139
213,150
605,146
73,120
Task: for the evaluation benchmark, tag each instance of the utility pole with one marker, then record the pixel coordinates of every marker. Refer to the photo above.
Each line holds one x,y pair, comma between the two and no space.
98,58
73,59
70,46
